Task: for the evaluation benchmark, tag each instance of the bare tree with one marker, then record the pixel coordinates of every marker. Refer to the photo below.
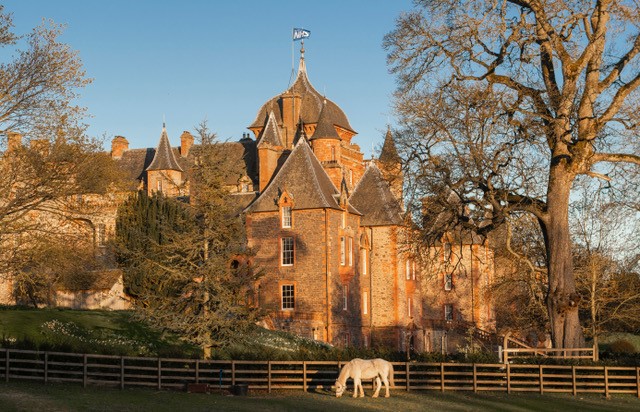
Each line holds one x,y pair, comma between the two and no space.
609,288
47,163
548,92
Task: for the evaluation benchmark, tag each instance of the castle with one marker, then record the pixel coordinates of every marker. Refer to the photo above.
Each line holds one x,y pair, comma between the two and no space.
328,229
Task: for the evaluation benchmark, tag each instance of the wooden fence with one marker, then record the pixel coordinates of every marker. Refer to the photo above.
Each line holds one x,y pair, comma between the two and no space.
160,373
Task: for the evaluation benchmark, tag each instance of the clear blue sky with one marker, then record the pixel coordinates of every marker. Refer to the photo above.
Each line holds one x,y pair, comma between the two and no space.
220,60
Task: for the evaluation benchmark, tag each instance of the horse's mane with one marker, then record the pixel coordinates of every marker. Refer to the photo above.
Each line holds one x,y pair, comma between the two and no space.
344,373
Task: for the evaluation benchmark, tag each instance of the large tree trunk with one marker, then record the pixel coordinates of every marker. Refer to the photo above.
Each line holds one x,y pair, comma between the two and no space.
562,299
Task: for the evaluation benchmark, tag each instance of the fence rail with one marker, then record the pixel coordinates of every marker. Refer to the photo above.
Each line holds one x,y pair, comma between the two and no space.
168,373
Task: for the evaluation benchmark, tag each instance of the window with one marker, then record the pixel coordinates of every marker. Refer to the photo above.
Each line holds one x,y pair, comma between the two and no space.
347,339
448,312
448,281
333,153
344,219
409,307
350,177
407,269
446,253
413,270
365,302
350,251
101,235
342,251
287,251
363,253
286,216
288,297
159,185
345,297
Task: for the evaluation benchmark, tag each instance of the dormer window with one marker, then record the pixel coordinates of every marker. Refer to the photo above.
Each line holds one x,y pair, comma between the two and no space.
159,185
286,217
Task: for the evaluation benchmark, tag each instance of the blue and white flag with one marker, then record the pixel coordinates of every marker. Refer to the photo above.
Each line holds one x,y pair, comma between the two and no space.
300,34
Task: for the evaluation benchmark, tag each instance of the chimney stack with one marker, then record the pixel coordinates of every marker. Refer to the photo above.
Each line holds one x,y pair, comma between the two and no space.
118,146
186,141
14,140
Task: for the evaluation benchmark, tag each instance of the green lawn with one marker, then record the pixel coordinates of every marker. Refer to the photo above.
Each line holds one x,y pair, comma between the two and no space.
20,396
92,331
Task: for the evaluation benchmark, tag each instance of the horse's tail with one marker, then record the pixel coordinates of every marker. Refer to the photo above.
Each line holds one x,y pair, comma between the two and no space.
391,374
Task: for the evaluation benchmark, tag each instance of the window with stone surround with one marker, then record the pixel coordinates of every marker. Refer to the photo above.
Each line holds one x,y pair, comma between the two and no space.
448,281
287,251
350,250
345,297
365,302
448,312
363,254
343,254
446,252
286,217
288,297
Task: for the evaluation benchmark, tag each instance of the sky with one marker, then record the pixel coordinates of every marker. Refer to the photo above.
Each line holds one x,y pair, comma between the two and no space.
219,61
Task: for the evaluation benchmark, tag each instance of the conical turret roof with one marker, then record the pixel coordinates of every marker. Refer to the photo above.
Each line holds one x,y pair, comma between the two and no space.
271,133
324,128
164,158
389,152
373,198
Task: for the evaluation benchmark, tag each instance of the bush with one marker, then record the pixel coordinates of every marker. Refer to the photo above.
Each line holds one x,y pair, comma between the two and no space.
622,346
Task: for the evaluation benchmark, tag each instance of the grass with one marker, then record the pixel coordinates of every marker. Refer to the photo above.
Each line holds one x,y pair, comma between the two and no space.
91,331
612,337
22,396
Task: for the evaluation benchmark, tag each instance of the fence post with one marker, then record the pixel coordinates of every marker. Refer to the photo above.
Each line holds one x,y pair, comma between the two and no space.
6,367
121,372
159,374
541,376
407,372
638,381
269,376
84,370
475,378
233,372
508,378
304,376
606,382
197,370
573,380
46,367
441,377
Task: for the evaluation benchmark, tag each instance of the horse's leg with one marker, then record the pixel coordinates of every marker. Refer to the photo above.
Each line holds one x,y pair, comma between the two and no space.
356,383
386,387
378,386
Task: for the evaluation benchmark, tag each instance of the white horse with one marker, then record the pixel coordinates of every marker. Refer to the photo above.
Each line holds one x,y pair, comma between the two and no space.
359,369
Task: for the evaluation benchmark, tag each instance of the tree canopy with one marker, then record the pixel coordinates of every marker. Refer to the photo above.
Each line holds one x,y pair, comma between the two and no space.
505,103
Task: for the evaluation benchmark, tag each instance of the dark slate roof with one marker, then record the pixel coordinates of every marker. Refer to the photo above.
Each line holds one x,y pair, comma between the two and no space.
389,152
311,104
271,133
164,158
135,161
242,155
304,178
373,198
325,129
